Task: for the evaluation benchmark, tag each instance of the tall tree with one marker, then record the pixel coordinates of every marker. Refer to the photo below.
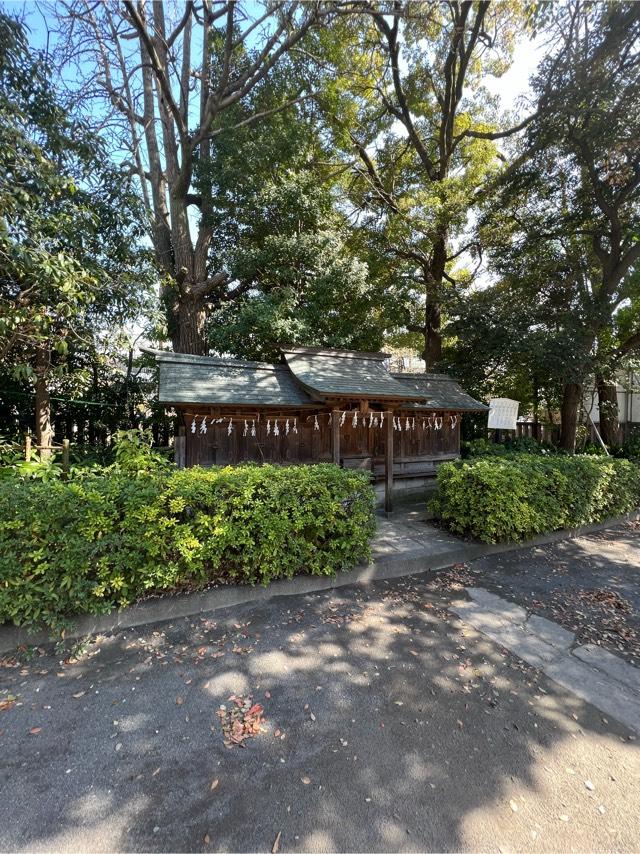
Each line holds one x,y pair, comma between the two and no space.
409,105
281,233
68,228
307,286
571,204
164,82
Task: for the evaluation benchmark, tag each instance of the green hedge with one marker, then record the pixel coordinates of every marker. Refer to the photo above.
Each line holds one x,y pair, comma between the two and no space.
88,546
501,499
516,445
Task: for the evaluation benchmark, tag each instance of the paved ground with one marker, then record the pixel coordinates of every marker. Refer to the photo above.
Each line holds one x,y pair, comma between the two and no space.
590,585
389,724
408,530
588,671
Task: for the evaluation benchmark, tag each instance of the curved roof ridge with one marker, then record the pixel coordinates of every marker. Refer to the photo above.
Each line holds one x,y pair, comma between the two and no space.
191,359
339,354
435,375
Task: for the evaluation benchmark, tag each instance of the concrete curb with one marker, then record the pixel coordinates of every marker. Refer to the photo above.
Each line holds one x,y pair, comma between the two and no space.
602,679
409,562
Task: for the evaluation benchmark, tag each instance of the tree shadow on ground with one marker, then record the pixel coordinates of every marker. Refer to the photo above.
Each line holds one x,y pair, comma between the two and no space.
399,728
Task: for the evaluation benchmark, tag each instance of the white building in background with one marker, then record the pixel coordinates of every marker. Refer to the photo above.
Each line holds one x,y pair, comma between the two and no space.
628,388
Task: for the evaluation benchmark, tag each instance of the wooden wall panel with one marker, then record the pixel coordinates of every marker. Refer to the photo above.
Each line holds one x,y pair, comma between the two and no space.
217,447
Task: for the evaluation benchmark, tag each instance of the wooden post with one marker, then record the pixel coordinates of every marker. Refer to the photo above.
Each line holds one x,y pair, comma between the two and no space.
65,458
27,447
335,435
388,464
180,448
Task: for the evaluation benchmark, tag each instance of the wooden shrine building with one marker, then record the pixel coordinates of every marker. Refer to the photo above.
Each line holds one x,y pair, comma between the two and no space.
318,405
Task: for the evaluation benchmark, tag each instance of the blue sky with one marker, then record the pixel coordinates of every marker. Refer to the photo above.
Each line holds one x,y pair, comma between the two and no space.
35,17
510,87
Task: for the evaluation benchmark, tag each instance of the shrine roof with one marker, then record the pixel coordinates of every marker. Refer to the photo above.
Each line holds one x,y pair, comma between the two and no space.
212,380
328,373
440,391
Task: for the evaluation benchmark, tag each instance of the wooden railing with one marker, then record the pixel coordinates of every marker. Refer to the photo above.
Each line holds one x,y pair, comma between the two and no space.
29,447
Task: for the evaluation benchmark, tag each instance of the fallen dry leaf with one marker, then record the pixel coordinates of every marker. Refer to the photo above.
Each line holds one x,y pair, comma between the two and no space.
276,844
305,780
240,722
35,730
214,785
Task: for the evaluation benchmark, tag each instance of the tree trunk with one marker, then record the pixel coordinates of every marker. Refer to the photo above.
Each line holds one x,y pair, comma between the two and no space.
434,276
432,336
571,399
535,430
608,408
188,330
44,433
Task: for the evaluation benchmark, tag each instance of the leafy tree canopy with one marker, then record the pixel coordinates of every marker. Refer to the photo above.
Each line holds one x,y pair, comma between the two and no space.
70,226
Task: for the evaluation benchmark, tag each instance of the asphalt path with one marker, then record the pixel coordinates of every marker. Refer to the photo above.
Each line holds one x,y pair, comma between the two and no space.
375,720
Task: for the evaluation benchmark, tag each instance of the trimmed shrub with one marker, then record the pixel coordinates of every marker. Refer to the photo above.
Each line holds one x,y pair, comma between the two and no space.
88,546
513,498
518,444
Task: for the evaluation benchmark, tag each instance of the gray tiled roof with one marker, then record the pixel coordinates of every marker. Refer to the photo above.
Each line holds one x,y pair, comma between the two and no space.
345,373
440,391
216,381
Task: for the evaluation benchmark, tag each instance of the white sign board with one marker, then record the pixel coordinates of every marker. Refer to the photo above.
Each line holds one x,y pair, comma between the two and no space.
503,414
